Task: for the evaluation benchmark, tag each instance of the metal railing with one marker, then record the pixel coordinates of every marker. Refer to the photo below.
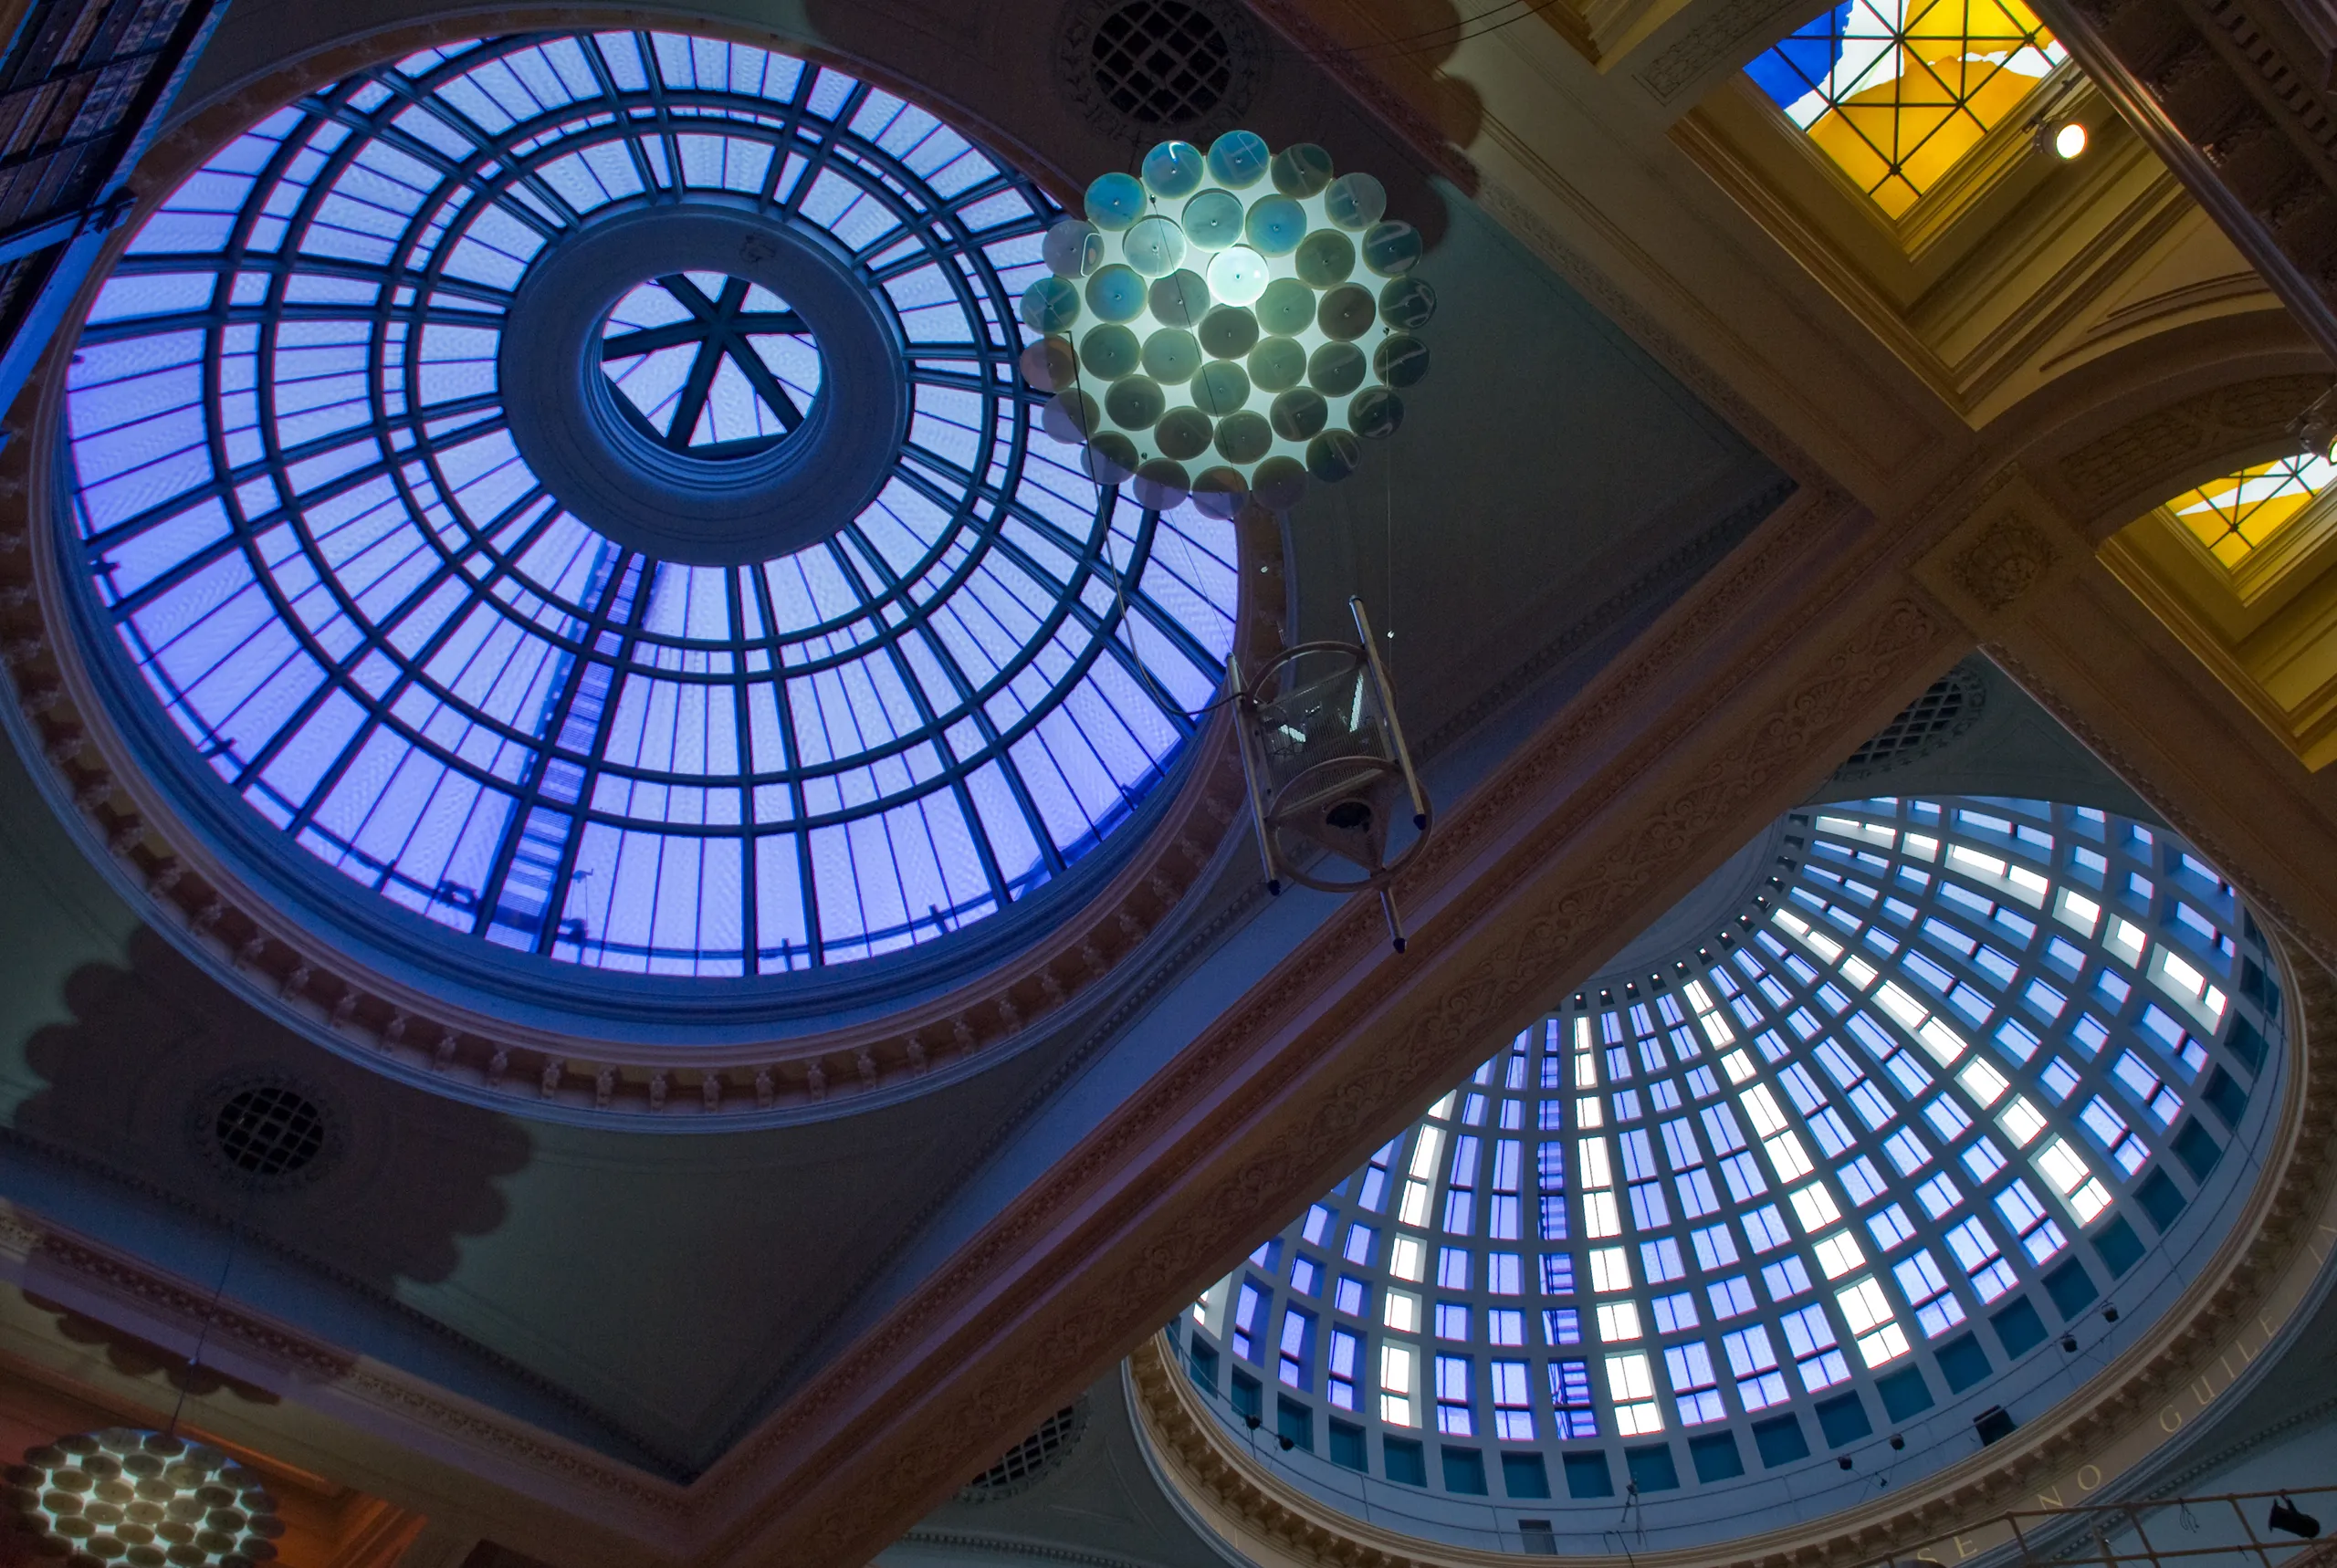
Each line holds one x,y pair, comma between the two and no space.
2225,1530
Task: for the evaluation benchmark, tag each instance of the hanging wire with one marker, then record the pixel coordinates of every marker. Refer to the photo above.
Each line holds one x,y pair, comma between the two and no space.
211,1313
1107,501
1388,473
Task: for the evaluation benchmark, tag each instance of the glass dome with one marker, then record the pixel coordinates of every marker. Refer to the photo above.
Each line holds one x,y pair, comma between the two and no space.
577,489
1851,1173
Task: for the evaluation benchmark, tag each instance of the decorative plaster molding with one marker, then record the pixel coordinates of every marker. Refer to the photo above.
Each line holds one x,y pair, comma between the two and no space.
2002,554
2156,450
16,1236
2055,701
1719,37
1683,568
2007,560
2267,1254
292,1363
1008,1546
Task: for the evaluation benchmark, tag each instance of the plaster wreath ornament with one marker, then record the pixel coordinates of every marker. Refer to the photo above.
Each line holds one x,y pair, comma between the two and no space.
1227,325
2007,560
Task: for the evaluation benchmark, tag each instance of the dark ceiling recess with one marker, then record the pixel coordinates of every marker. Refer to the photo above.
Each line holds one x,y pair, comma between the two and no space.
1162,62
1948,707
1030,1458
269,1132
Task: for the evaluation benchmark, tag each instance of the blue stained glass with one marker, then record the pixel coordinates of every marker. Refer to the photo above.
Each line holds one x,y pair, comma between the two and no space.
342,582
1804,56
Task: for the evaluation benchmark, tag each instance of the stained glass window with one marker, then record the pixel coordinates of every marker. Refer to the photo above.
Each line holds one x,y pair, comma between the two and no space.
2236,513
304,518
1897,91
1954,1074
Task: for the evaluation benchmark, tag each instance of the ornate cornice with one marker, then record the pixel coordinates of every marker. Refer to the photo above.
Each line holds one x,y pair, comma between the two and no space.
2265,1264
127,1293
2158,452
1663,580
194,896
184,1201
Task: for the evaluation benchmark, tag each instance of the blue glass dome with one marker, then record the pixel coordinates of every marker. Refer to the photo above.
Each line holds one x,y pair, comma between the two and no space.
577,489
1928,1122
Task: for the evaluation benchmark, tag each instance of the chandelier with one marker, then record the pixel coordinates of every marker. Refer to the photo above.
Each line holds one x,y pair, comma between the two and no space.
1228,325
144,1499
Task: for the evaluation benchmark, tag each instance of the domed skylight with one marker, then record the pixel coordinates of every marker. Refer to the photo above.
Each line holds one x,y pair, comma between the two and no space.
578,488
1843,1168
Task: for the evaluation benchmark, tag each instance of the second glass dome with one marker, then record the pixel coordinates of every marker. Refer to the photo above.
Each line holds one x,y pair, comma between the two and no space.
1824,1188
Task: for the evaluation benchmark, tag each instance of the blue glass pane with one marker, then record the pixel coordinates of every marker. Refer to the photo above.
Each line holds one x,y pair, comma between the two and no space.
302,513
1934,1069
1803,60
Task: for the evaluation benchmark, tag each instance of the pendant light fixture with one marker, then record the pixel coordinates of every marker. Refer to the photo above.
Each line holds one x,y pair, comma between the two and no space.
130,1496
1228,325
1328,767
144,1499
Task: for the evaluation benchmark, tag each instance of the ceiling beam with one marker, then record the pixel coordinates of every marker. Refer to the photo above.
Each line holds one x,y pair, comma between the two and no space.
2208,85
1723,715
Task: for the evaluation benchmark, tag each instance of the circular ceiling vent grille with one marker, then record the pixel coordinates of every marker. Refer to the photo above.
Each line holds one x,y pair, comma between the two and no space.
267,1130
1030,1460
1140,66
1948,707
1162,62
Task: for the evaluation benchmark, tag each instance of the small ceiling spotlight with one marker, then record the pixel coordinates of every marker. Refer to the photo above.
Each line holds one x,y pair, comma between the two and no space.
1286,1443
1844,1461
2069,140
1898,1439
2287,1517
2070,1343
1251,1422
2109,1314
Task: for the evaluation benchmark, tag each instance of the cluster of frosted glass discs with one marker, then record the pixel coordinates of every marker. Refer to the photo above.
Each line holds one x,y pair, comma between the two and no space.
141,1498
1228,324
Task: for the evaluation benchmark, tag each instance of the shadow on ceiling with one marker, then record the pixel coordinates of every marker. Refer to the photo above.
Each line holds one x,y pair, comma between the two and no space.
380,1185
1288,88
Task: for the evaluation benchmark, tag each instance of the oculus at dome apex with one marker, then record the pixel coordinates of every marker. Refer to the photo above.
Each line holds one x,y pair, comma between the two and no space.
540,670
1789,1203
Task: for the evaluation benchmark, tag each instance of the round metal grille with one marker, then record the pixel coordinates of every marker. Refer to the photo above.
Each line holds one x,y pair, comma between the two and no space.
269,1131
1029,1460
1948,707
1162,62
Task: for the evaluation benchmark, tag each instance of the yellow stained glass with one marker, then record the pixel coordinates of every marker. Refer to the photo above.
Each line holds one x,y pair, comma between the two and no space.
1896,92
2236,513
